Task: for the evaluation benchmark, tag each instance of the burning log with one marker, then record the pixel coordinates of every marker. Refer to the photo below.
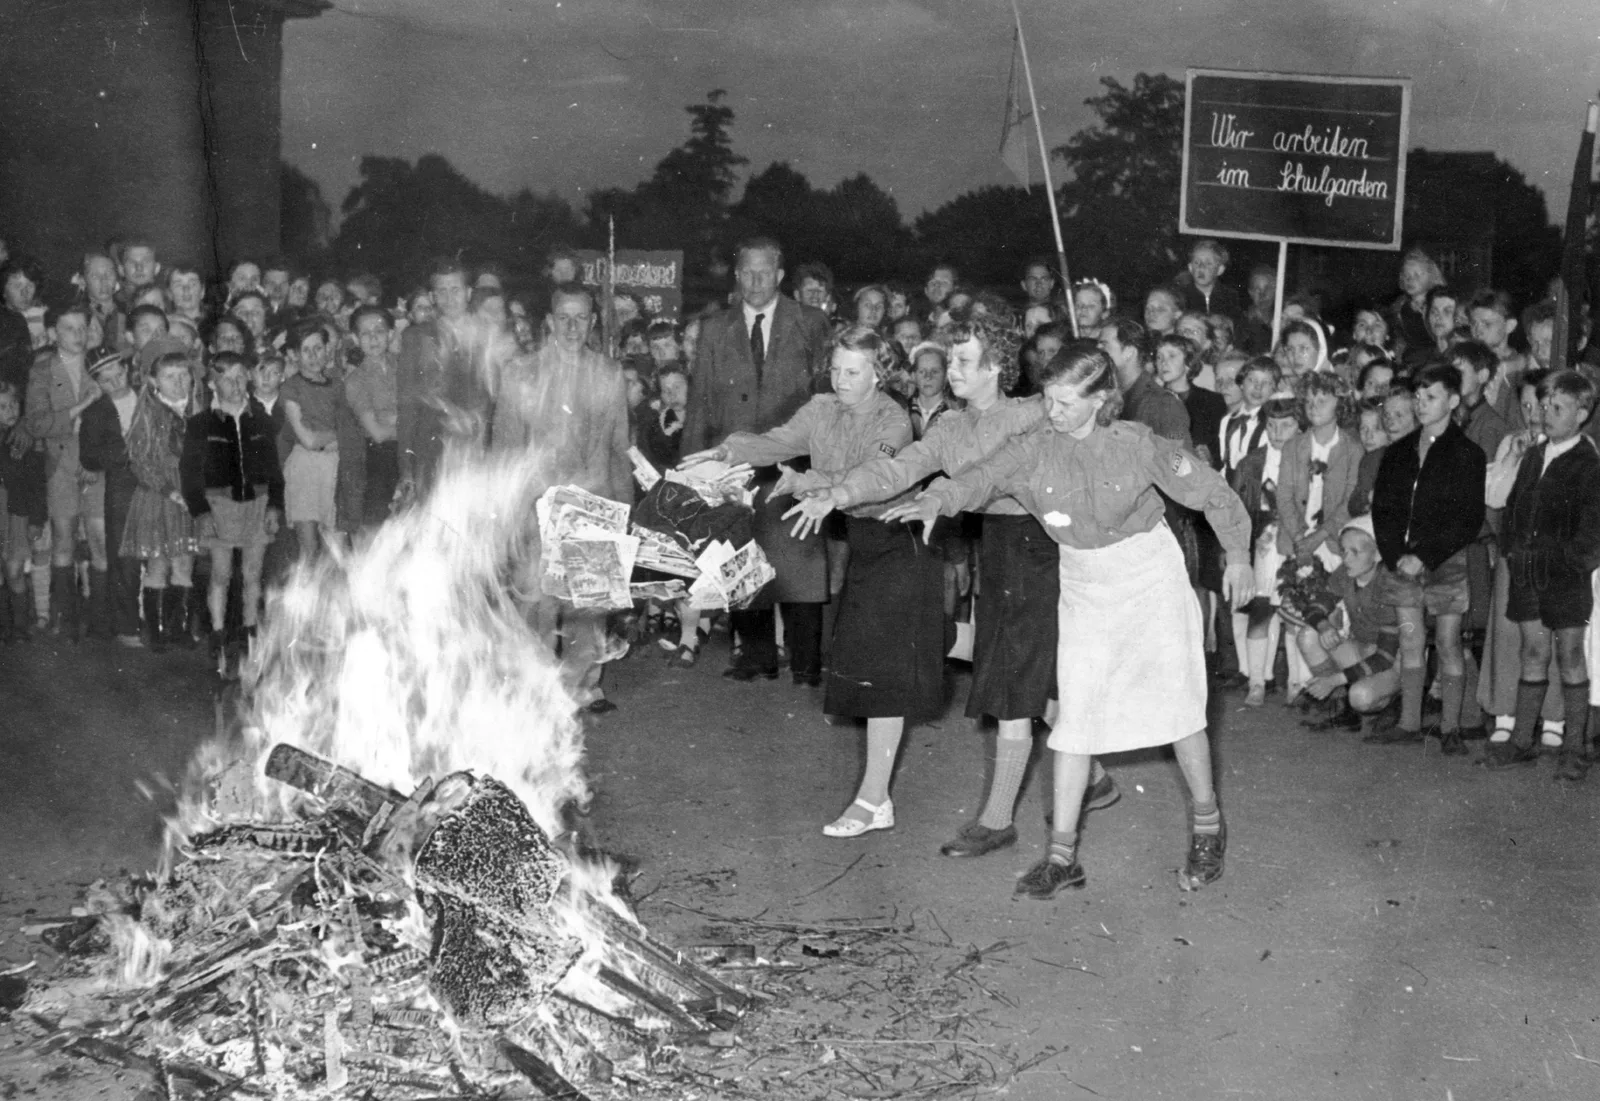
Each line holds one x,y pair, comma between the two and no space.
431,944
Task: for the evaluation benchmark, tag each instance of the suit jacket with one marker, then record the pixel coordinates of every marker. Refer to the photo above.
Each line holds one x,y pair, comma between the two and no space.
101,447
1255,438
729,395
1294,488
1554,515
50,398
1430,509
1247,480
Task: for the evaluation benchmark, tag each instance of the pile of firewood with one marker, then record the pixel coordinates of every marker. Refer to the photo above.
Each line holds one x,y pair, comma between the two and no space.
381,946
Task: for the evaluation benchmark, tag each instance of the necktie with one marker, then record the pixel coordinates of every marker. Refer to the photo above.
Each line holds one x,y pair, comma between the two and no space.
758,345
1235,436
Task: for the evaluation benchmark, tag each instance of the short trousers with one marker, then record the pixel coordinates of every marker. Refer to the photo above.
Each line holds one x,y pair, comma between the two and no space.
1442,591
310,484
70,495
1551,593
241,524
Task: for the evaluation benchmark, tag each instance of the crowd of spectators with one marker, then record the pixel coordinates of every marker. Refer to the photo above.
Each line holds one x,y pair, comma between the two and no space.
169,446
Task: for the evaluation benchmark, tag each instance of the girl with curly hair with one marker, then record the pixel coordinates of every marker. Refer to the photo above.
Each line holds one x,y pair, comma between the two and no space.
1013,661
1125,618
887,662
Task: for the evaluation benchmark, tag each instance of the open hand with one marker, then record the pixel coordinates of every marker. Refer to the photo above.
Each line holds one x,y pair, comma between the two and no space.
921,507
810,511
718,454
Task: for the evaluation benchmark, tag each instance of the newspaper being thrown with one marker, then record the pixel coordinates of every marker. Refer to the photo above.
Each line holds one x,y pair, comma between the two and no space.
668,591
729,578
586,555
716,482
644,471
660,552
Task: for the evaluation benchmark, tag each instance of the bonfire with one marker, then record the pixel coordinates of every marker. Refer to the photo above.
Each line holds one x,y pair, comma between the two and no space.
369,887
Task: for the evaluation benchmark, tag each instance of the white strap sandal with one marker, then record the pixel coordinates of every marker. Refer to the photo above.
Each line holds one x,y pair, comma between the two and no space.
848,825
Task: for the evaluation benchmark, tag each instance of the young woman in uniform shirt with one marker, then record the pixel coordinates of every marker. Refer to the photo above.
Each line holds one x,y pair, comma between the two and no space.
1013,664
1130,658
887,662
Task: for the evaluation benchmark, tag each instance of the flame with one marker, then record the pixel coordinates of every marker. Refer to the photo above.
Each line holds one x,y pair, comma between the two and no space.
140,954
411,658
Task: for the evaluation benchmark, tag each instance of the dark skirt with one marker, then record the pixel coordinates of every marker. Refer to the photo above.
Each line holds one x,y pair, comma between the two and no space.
383,475
889,638
1014,635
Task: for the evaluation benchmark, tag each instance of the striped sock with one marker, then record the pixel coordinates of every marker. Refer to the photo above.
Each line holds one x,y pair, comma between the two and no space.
1207,817
1063,846
1010,763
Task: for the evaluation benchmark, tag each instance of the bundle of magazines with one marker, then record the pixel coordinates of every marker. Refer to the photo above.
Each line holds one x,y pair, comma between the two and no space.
689,537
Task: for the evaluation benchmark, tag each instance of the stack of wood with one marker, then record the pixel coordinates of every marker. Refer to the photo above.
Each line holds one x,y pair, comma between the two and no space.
436,944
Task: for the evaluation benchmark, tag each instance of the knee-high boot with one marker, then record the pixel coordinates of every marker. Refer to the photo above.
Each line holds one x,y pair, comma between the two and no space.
64,601
97,618
175,617
155,637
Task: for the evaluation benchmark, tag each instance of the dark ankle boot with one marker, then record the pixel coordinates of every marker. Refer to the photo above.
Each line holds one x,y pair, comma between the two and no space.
22,614
175,617
154,637
1573,763
97,617
64,602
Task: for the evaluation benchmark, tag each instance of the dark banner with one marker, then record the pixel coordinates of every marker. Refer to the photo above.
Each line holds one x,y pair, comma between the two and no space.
655,278
1317,160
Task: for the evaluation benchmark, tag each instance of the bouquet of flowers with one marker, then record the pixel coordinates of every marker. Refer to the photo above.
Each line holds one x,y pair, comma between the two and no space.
1303,590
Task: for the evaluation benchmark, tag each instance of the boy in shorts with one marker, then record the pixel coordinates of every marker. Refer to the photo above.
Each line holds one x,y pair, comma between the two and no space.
1427,508
1551,527
233,489
311,410
1357,657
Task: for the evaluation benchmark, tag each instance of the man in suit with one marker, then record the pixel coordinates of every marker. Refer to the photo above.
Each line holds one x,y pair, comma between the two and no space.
754,367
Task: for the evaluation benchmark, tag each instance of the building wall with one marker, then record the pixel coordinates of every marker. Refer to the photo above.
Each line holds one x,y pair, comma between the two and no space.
157,118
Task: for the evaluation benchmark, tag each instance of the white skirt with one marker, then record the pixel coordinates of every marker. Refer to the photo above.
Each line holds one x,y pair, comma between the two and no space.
1130,660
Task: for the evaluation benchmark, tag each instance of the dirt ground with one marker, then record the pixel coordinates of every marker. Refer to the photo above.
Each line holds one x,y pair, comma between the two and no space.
1392,923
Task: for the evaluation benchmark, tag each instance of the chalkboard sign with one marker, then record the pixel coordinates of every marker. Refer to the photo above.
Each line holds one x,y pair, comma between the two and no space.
655,278
1318,160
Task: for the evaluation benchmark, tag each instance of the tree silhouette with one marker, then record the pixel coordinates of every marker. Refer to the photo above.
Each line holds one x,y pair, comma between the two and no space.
685,203
400,217
1122,196
989,234
304,216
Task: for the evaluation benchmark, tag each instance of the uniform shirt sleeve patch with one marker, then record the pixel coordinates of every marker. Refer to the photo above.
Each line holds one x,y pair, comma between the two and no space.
1181,465
887,449
1058,519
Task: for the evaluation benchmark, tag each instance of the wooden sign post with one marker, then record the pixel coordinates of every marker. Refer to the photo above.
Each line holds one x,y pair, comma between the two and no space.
1316,160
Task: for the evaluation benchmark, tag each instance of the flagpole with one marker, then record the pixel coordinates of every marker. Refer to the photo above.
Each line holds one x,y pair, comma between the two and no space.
1569,299
1044,159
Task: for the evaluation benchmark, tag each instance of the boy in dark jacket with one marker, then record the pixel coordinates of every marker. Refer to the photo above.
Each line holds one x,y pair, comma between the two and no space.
1551,540
103,453
233,487
1427,508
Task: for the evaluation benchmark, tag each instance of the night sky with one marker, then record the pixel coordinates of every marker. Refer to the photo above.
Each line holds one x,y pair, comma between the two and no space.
590,93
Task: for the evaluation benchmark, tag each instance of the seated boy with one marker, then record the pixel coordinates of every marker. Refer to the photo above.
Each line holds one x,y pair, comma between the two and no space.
1355,659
